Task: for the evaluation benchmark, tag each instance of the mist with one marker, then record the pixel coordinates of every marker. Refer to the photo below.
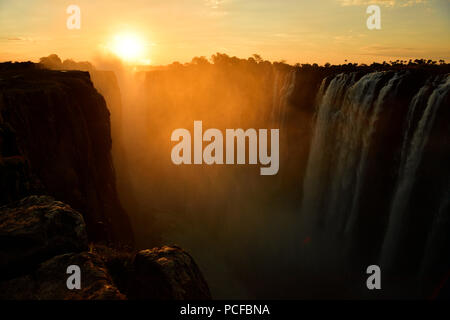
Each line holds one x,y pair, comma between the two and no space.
234,221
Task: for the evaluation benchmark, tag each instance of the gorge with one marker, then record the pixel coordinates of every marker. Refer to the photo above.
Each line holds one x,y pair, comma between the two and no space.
59,204
363,177
363,172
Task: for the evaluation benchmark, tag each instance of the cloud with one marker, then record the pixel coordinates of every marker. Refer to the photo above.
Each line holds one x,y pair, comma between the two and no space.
215,4
391,51
386,3
215,8
29,39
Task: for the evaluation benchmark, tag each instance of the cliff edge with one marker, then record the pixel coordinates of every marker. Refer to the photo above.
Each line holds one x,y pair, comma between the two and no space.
58,201
55,139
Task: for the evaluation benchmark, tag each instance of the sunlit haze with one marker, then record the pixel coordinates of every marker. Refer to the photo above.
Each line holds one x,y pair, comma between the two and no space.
130,48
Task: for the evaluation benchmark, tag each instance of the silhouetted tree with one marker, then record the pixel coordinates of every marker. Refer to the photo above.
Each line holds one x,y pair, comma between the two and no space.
257,58
201,61
52,61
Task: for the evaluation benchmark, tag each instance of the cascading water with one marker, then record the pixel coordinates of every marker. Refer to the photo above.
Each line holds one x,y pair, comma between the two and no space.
389,91
436,243
411,154
348,135
284,85
346,117
317,170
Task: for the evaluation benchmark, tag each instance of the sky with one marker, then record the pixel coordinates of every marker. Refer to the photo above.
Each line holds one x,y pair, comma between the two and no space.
303,31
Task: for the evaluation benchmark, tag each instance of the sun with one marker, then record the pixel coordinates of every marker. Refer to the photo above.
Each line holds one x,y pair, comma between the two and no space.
129,47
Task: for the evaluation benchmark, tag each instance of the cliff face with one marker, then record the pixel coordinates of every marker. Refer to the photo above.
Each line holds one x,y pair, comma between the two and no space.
58,193
55,139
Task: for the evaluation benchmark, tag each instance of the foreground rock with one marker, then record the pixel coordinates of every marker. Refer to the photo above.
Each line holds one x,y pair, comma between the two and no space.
35,229
40,238
48,282
167,273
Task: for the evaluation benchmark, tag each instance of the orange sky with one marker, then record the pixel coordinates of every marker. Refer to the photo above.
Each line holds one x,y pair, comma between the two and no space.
168,30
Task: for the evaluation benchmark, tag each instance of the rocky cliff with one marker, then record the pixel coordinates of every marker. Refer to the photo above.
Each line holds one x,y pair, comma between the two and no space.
58,200
55,139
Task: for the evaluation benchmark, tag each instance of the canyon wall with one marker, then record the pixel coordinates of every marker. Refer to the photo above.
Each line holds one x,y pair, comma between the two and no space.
56,140
58,203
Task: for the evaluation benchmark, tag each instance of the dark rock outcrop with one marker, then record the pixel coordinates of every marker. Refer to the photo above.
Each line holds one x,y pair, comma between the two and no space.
48,282
55,139
35,229
40,238
166,273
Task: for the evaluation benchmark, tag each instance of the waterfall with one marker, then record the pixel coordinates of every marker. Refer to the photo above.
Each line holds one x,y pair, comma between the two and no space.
284,85
436,244
412,155
346,118
356,119
418,100
317,170
388,92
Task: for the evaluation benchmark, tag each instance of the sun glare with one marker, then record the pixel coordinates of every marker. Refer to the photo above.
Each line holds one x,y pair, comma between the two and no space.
130,48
